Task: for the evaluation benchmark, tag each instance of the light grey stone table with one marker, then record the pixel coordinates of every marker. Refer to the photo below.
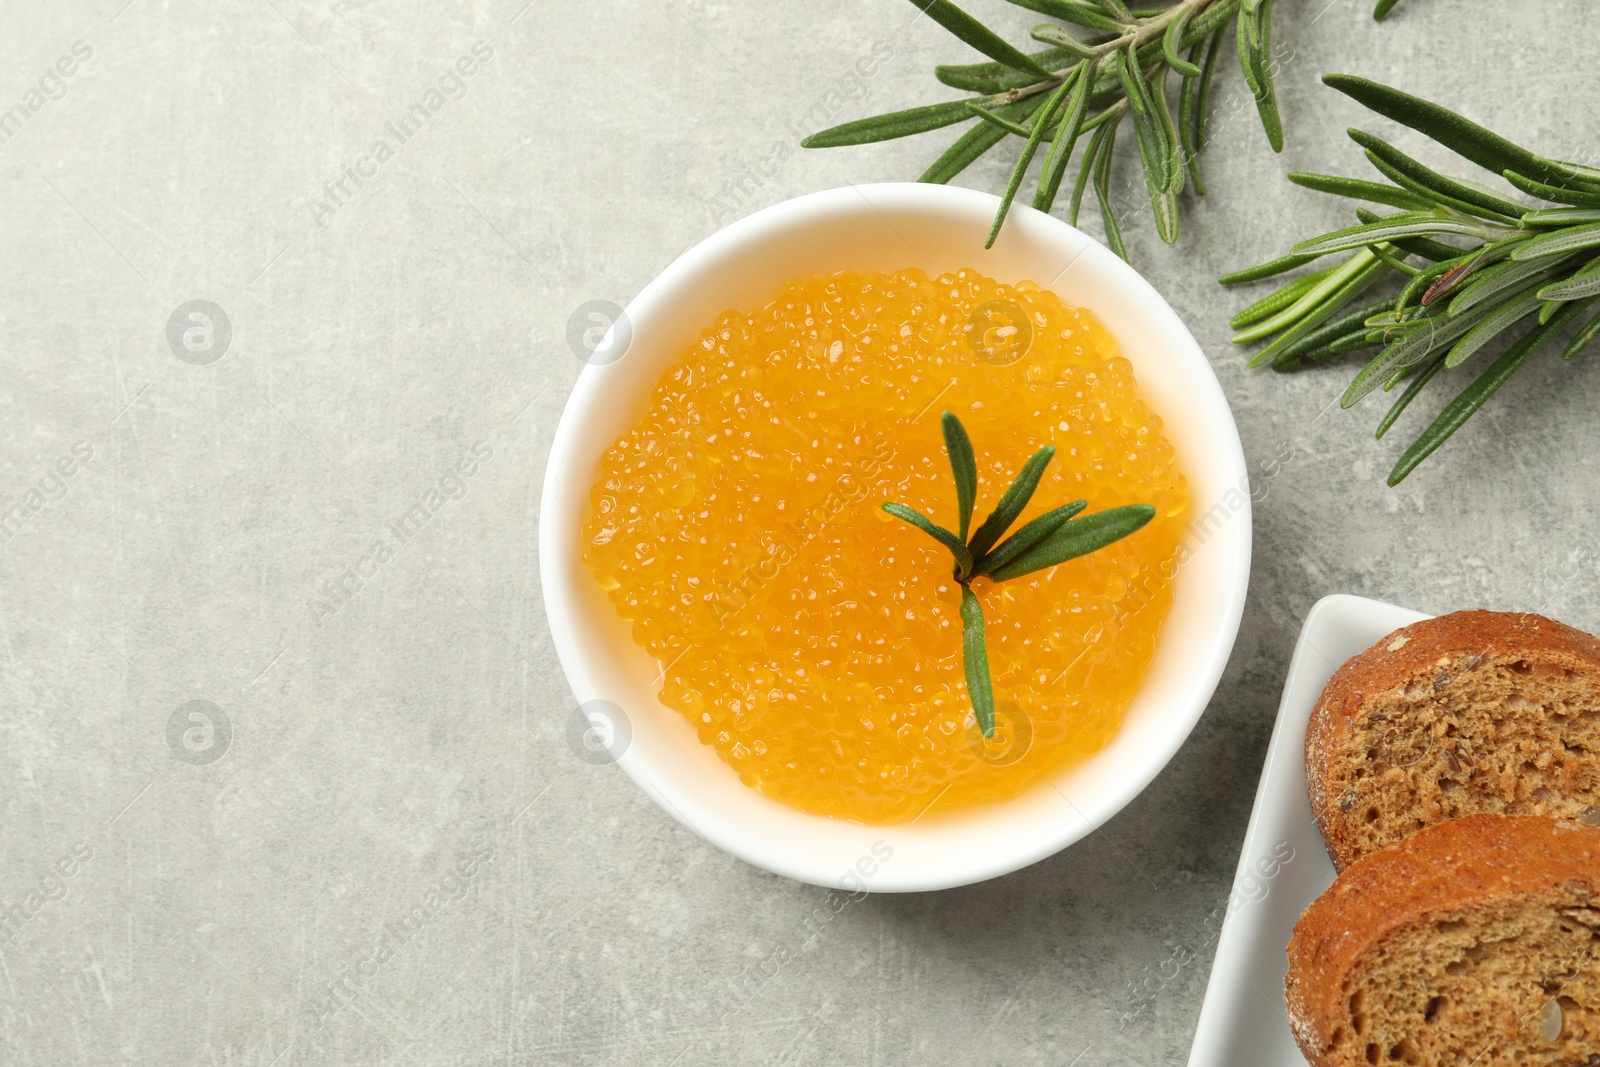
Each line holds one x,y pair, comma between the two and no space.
371,843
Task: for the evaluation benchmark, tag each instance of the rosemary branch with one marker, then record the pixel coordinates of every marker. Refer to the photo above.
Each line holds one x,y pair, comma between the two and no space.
1104,62
1473,263
1052,538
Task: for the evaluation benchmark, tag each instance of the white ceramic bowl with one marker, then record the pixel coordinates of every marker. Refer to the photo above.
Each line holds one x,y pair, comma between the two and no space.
893,227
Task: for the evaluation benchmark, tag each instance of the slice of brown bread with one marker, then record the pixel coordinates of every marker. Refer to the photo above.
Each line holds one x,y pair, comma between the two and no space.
1473,942
1477,711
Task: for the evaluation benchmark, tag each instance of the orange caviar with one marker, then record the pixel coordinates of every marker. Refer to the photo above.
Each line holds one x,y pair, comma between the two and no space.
813,640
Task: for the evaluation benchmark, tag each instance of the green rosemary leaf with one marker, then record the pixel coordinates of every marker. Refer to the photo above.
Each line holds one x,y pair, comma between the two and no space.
1386,253
1107,87
1012,502
978,35
1164,203
1354,342
1149,57
1249,8
1266,270
1064,40
1371,268
1474,396
1275,302
1325,335
1155,151
1403,224
1041,122
1583,282
1425,336
1309,302
1213,19
1112,114
1078,538
1126,66
1586,176
1381,12
1359,189
1436,252
963,466
1170,43
1004,123
1245,34
1294,337
1188,93
1389,322
1557,194
1067,132
1426,248
888,127
960,155
1403,170
1563,216
1501,277
1267,98
934,530
1380,367
1435,196
992,77
976,141
1553,244
1203,103
975,657
1053,8
1418,383
1077,14
1102,193
1169,136
1461,135
1117,8
1286,365
1584,337
1029,535
1087,167
1492,325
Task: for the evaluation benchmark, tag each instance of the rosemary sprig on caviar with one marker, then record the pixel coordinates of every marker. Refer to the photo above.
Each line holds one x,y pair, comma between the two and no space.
1105,62
1052,538
1475,262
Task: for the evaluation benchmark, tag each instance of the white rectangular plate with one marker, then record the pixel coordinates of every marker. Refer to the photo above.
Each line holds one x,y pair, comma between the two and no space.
1283,866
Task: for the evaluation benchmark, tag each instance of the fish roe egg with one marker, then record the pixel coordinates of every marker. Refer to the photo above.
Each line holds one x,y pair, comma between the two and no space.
813,640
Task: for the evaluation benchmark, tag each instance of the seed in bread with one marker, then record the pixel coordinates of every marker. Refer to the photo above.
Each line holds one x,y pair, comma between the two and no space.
1477,711
1476,941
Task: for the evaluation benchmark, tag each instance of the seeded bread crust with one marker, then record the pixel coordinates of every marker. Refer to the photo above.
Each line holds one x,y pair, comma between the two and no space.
1470,861
1432,654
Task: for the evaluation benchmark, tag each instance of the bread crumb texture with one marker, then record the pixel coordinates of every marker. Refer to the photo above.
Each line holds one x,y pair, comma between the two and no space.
1473,942
1469,713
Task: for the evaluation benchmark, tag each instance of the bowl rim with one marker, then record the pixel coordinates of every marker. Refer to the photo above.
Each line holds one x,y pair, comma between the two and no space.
585,669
